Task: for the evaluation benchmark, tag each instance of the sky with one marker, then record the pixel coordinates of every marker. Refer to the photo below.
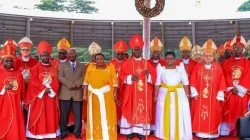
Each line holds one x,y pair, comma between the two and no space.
119,8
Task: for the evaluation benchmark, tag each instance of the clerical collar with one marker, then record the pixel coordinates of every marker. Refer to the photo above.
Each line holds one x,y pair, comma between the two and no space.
137,59
185,61
208,66
10,69
45,64
237,58
25,59
118,60
155,61
62,61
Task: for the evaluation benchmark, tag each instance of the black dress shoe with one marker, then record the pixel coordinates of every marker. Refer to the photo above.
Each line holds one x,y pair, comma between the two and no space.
130,136
140,137
78,137
63,137
71,128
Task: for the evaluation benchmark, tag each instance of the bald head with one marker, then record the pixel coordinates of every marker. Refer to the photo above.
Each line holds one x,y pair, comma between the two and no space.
72,54
73,50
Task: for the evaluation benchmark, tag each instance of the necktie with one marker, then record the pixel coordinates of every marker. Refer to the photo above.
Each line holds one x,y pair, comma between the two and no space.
73,67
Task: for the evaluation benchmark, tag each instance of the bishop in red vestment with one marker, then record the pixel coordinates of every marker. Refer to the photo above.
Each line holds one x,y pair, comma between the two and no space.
228,49
120,48
207,92
189,63
41,99
155,47
12,88
220,54
197,53
62,46
15,46
237,73
25,62
138,77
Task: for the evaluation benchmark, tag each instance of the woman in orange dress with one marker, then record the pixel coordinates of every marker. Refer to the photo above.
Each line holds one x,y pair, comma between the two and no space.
100,83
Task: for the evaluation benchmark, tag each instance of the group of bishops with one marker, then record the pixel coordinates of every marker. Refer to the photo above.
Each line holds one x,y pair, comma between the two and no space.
30,89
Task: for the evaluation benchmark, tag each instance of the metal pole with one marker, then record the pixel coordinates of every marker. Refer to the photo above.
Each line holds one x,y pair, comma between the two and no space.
236,27
28,27
72,32
146,33
163,36
193,33
113,40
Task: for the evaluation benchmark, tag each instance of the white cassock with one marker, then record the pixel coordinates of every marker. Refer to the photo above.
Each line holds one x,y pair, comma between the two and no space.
173,77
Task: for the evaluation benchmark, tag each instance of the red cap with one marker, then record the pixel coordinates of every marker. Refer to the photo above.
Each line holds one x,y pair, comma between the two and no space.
44,46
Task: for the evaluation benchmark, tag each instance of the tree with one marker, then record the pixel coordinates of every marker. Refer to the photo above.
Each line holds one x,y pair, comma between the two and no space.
79,6
245,6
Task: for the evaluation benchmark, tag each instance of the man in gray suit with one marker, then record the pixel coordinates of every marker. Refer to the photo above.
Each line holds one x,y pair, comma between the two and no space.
71,76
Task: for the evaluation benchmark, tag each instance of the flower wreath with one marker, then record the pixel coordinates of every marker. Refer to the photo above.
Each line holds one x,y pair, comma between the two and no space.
149,12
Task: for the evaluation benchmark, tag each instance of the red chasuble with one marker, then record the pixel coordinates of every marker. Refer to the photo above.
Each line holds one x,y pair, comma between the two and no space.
206,111
11,115
163,63
236,70
188,67
44,113
119,100
134,102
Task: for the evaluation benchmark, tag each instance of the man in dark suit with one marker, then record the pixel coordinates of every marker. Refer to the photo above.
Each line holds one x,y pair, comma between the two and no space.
71,76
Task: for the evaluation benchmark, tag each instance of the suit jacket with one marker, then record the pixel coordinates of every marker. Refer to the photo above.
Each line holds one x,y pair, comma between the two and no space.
68,78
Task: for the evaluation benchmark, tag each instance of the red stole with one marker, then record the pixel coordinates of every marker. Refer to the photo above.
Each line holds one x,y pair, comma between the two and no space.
134,102
206,111
11,118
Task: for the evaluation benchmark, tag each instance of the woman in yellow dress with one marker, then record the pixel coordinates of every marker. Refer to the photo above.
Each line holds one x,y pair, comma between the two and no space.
100,83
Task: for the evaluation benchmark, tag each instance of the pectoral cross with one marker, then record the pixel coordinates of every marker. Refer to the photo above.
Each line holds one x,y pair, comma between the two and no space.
139,70
206,78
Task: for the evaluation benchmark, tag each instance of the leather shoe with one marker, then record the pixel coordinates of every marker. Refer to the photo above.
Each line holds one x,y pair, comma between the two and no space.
78,137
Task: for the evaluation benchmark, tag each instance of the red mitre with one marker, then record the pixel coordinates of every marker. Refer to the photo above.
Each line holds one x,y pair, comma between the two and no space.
120,46
8,51
227,45
136,41
238,40
12,43
44,46
220,50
